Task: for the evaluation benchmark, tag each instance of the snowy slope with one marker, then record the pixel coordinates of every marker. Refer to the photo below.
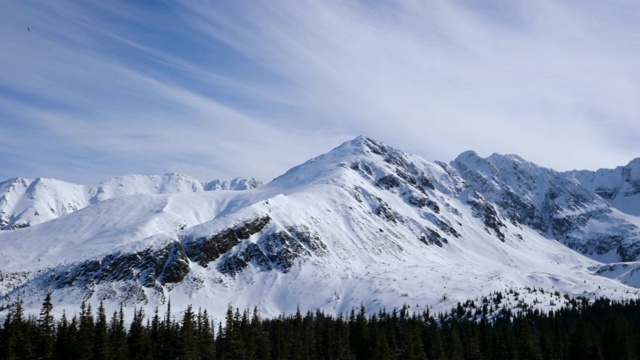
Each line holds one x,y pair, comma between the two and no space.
620,187
25,202
560,206
362,224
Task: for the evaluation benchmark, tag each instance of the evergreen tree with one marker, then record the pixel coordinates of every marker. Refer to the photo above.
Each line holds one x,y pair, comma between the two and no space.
432,339
188,336
86,332
46,330
19,333
155,336
101,344
63,344
118,346
205,335
528,347
135,338
601,329
168,337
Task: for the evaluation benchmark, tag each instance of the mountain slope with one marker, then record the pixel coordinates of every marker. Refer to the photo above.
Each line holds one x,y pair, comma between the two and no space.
560,206
620,187
363,224
25,202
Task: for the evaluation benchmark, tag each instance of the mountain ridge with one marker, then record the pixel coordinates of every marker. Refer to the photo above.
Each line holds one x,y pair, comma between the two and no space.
25,202
362,224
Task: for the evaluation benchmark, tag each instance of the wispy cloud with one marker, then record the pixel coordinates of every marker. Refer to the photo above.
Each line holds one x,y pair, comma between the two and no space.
221,89
537,78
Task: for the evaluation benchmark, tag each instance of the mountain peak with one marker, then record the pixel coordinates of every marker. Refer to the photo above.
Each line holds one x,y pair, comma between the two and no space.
331,233
358,146
468,156
634,164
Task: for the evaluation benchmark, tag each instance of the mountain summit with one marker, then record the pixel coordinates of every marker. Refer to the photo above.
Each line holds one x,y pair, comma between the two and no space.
362,224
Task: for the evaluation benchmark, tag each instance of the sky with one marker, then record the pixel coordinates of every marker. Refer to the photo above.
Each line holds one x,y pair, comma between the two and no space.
90,90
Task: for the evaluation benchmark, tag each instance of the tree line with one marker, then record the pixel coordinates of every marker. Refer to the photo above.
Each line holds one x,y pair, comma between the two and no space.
600,329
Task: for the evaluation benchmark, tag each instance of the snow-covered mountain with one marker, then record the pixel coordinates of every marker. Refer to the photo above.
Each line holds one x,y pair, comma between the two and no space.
26,202
620,187
362,224
568,206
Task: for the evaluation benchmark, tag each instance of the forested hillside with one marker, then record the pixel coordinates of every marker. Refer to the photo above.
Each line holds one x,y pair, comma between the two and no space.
601,329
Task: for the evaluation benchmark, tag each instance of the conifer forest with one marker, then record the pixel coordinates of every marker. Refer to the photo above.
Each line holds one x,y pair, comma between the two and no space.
584,329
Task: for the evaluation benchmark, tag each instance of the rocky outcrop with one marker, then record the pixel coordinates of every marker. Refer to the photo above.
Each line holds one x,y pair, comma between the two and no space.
150,268
205,250
274,251
555,204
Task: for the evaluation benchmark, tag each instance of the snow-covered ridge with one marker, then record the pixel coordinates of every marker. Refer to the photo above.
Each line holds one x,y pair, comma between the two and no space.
620,187
26,202
566,206
362,224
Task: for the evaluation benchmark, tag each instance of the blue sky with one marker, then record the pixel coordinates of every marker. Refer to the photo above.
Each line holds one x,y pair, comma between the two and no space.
218,89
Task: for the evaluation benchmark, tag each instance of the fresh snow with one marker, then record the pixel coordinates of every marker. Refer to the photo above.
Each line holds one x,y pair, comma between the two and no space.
25,202
395,230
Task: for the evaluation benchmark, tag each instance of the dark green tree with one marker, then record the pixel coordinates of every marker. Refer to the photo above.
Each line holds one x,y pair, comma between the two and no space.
118,347
101,340
46,330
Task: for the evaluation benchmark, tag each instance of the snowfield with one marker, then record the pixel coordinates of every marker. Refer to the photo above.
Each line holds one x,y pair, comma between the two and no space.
363,224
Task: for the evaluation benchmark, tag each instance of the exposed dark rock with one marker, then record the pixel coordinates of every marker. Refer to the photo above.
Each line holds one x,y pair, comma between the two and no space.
388,181
18,226
432,237
384,211
406,177
375,148
426,183
357,195
176,265
607,194
517,210
149,267
446,228
488,214
422,202
395,159
204,251
362,168
274,251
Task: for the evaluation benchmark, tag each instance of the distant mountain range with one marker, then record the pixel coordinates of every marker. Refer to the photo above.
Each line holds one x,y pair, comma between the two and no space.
364,224
26,202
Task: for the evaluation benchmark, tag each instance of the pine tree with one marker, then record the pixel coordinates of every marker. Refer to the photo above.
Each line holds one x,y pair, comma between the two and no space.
63,343
262,338
188,336
135,336
46,330
296,336
75,349
19,333
528,347
455,348
118,348
205,335
169,337
432,339
86,332
155,336
101,345
360,338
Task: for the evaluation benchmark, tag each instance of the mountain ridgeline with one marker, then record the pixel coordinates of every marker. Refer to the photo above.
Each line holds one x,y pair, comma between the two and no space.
362,224
26,202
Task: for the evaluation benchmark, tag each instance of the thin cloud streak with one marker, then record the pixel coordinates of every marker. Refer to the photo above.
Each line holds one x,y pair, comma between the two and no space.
112,109
253,88
439,70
